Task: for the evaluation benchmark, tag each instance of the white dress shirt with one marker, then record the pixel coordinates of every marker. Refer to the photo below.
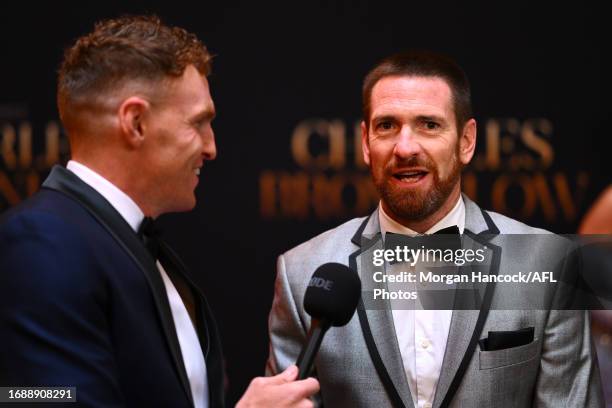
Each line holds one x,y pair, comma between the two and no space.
193,358
422,334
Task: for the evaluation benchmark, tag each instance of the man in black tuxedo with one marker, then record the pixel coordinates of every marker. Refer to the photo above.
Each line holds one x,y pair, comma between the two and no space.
89,296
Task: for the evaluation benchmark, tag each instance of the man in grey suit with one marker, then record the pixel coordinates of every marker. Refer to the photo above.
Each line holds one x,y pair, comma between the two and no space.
417,135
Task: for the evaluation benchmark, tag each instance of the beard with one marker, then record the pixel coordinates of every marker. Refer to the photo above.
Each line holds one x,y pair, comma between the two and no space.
416,204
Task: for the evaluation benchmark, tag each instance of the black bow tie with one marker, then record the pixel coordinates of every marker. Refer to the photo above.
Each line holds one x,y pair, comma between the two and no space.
149,233
453,229
446,238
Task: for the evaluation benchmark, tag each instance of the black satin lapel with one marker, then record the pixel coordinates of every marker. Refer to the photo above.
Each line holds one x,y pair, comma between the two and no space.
214,357
358,237
176,266
207,329
377,360
480,298
64,181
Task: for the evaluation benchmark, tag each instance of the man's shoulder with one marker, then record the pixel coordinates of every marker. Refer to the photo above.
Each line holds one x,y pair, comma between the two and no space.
334,238
49,221
46,207
475,219
39,243
507,225
333,245
519,240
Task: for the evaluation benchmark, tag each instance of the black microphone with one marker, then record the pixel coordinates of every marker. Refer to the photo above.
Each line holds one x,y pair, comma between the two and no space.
330,299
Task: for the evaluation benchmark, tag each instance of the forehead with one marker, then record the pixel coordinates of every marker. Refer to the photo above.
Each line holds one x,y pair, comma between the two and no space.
411,94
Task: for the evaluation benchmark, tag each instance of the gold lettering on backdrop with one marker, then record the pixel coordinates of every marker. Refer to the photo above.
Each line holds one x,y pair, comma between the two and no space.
300,194
293,190
267,194
333,131
52,137
357,148
502,135
8,146
546,200
321,148
326,196
469,184
566,201
21,171
500,190
367,196
537,143
510,173
32,182
25,145
492,138
8,191
551,195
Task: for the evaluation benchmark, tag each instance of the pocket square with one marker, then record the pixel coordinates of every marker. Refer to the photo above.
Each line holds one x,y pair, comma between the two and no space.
499,340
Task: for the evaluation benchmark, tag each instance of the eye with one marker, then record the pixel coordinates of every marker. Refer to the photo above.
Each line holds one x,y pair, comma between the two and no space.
200,124
201,121
431,125
384,125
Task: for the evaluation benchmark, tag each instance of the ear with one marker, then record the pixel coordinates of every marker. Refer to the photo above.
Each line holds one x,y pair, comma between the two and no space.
365,143
132,113
467,142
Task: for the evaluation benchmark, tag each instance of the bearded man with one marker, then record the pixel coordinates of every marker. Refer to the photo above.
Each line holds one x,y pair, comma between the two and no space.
417,134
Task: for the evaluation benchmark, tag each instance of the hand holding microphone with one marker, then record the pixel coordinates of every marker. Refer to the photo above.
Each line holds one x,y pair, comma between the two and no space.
280,391
330,299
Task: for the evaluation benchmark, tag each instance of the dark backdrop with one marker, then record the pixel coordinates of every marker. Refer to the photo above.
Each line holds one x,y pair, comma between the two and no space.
286,83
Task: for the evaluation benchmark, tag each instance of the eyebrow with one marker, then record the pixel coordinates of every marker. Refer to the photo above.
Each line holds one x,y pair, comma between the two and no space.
420,118
384,118
432,118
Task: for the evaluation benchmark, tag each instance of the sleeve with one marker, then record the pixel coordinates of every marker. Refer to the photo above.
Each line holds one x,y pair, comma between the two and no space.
53,322
287,329
569,374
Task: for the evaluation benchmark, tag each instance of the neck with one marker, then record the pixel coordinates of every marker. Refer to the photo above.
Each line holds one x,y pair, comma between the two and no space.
111,167
424,224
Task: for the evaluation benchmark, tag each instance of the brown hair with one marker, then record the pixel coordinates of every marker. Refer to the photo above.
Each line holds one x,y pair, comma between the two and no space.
130,48
424,64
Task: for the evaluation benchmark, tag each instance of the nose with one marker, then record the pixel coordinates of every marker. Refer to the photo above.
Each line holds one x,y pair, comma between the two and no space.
209,148
407,144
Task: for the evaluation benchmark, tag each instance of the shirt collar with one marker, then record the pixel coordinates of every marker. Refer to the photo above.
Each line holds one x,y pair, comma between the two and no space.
124,205
456,216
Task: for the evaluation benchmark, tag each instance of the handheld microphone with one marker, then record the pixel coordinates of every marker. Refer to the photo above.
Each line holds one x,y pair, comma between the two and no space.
330,299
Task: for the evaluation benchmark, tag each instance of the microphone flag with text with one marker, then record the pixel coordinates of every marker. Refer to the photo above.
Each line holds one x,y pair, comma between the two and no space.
330,299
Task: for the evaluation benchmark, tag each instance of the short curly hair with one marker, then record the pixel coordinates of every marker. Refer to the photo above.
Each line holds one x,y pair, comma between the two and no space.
123,50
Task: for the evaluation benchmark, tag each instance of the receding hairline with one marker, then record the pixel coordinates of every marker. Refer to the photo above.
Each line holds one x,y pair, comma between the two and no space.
427,64
449,87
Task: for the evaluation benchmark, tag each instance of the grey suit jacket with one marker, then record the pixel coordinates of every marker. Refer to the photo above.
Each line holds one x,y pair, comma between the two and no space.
360,365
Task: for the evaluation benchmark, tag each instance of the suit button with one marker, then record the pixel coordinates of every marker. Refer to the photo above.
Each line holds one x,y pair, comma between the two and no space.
424,343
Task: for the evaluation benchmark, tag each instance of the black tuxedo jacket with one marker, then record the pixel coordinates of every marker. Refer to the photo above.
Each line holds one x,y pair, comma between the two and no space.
82,304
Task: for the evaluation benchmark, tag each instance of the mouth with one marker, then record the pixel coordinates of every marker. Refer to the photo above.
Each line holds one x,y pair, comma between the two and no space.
410,176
